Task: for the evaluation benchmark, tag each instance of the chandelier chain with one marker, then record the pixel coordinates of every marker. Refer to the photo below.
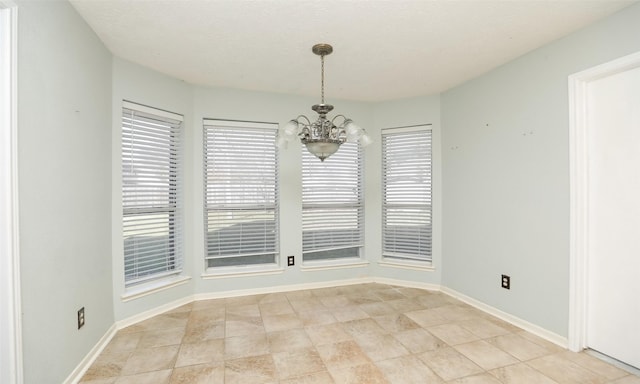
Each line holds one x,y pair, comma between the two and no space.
322,77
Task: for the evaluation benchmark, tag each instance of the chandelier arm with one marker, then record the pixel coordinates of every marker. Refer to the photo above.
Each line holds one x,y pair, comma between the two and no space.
344,119
304,117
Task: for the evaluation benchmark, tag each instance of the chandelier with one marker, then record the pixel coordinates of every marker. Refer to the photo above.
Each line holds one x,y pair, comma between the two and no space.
322,137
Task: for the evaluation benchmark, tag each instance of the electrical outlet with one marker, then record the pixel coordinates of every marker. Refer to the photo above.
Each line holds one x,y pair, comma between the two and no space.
80,317
506,282
290,261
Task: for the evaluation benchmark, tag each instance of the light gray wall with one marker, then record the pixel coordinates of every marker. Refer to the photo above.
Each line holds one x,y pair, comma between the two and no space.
506,174
64,151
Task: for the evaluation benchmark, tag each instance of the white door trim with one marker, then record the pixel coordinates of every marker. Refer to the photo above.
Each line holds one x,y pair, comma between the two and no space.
579,192
10,318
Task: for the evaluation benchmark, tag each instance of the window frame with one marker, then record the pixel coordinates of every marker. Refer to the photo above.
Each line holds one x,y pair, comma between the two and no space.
270,204
321,204
171,132
389,253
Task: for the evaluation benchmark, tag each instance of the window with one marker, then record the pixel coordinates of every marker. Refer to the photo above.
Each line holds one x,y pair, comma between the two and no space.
241,193
332,204
151,193
406,193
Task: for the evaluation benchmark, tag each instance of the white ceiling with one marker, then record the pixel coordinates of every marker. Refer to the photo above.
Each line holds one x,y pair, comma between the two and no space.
386,49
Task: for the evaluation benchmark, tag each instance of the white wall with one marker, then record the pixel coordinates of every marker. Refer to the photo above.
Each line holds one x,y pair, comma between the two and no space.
506,174
64,114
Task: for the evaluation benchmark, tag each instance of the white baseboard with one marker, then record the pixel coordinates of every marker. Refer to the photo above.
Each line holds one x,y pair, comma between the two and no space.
84,365
518,322
281,288
153,312
407,284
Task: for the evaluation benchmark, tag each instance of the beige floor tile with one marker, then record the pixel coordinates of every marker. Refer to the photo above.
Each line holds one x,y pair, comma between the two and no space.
237,325
255,369
549,346
594,364
298,363
360,374
565,371
245,346
407,370
328,291
212,373
342,355
518,346
276,308
449,364
328,334
363,333
314,378
107,365
151,359
349,313
207,315
483,378
381,347
426,317
155,377
336,301
309,304
455,312
483,328
485,355
203,331
396,322
200,353
310,318
289,340
419,340
243,310
377,309
630,379
281,322
363,327
520,374
388,294
272,297
209,303
452,334
160,338
123,343
405,305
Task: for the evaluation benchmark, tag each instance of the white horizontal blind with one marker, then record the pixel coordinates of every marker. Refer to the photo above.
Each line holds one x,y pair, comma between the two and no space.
332,204
406,189
241,193
151,193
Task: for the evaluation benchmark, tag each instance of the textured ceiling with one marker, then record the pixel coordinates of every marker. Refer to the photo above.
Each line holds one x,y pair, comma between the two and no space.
382,49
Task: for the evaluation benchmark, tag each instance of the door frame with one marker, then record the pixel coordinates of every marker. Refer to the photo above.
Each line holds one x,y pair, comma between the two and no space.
579,192
11,366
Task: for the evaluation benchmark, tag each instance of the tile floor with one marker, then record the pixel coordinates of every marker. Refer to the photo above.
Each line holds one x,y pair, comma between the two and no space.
367,333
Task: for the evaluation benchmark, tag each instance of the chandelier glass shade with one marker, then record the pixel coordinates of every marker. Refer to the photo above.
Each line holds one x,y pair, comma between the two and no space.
324,136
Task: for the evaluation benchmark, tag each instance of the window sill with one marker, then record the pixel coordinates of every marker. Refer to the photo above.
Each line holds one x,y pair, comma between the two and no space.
413,265
153,287
333,264
226,272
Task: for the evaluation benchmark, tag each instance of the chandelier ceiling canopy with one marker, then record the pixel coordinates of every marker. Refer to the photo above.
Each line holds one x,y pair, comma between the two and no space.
322,137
